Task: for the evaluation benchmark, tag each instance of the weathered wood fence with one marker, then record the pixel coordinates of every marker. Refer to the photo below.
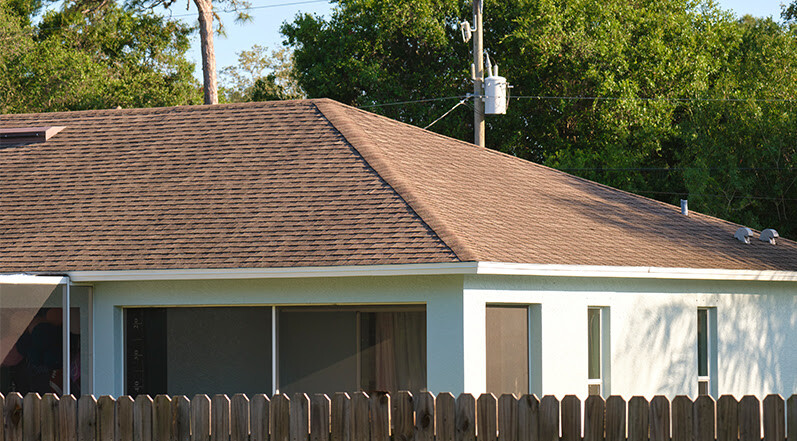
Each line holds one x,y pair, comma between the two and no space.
403,417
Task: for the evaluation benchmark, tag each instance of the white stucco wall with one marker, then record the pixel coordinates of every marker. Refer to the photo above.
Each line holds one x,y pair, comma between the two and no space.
653,333
442,296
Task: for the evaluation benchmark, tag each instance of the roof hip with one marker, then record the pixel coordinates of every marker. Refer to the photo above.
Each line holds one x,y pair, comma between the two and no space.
362,143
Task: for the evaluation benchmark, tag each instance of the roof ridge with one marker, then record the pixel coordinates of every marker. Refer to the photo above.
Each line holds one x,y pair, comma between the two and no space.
362,143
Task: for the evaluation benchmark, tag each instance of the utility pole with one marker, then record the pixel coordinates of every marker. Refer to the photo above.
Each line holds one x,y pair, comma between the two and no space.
478,75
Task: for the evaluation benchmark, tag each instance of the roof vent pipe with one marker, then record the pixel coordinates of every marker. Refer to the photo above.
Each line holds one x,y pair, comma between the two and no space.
685,207
743,234
769,235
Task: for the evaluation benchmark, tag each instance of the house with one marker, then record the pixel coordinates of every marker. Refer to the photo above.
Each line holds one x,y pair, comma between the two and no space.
310,246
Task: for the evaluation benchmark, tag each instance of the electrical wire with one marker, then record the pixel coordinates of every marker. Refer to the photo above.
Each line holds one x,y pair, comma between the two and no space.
686,193
609,98
461,102
398,103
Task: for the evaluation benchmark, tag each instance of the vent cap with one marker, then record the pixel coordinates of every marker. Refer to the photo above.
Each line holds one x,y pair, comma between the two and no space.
27,135
743,234
769,235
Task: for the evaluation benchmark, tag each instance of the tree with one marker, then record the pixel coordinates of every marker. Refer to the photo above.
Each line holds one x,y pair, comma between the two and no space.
260,75
615,91
206,15
89,55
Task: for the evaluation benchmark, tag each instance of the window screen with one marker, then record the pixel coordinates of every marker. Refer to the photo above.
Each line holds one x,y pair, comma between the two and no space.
507,349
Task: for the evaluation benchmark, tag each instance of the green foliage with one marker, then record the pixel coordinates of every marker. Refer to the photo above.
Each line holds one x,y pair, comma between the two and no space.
88,56
664,70
261,75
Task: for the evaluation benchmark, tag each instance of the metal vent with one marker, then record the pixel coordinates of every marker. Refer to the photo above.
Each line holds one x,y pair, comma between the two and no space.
744,234
27,135
769,235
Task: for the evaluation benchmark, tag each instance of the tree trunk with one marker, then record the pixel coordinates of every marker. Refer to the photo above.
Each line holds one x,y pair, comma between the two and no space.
205,8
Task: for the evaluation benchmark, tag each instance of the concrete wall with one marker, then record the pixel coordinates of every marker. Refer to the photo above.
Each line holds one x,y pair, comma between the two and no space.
652,333
442,296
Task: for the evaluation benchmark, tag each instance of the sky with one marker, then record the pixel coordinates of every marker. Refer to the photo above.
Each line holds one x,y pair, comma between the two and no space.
268,15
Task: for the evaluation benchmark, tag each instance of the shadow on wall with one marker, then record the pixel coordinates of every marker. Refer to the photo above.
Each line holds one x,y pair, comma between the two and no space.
657,349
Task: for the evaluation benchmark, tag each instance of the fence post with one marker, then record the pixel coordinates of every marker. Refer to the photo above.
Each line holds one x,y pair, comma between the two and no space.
49,419
67,418
181,418
124,418
594,414
749,419
704,417
162,418
507,418
340,418
319,418
445,415
31,417
528,416
571,418
615,419
466,418
300,417
774,418
659,419
403,416
259,418
486,412
424,417
239,418
549,418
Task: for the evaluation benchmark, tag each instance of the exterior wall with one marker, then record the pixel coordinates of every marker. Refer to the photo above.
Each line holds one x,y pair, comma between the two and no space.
442,296
652,333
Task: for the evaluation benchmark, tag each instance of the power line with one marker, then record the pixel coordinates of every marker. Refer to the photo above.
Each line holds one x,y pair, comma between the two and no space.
397,103
610,98
686,193
461,102
678,169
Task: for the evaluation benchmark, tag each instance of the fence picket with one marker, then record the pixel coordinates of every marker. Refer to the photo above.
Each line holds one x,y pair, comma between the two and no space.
2,417
445,416
727,418
281,418
181,418
639,414
424,417
571,418
142,418
31,417
49,419
239,418
13,414
403,416
659,419
615,418
749,419
300,417
466,418
124,418
360,426
549,418
319,418
791,418
704,417
379,406
106,418
507,418
200,418
67,418
594,413
528,417
220,418
340,417
87,418
486,412
682,419
162,418
259,418
774,418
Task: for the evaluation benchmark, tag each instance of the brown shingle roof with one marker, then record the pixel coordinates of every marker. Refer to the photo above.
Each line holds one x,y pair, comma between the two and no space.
313,183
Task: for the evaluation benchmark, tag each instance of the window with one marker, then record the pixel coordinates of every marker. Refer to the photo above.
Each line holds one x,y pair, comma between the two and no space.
316,349
706,353
598,352
514,352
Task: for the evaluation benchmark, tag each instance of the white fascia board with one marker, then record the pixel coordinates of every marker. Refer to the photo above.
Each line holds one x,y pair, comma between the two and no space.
276,273
30,279
636,272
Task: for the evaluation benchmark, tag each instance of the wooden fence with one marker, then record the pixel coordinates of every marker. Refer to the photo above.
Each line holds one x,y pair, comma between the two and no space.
403,417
